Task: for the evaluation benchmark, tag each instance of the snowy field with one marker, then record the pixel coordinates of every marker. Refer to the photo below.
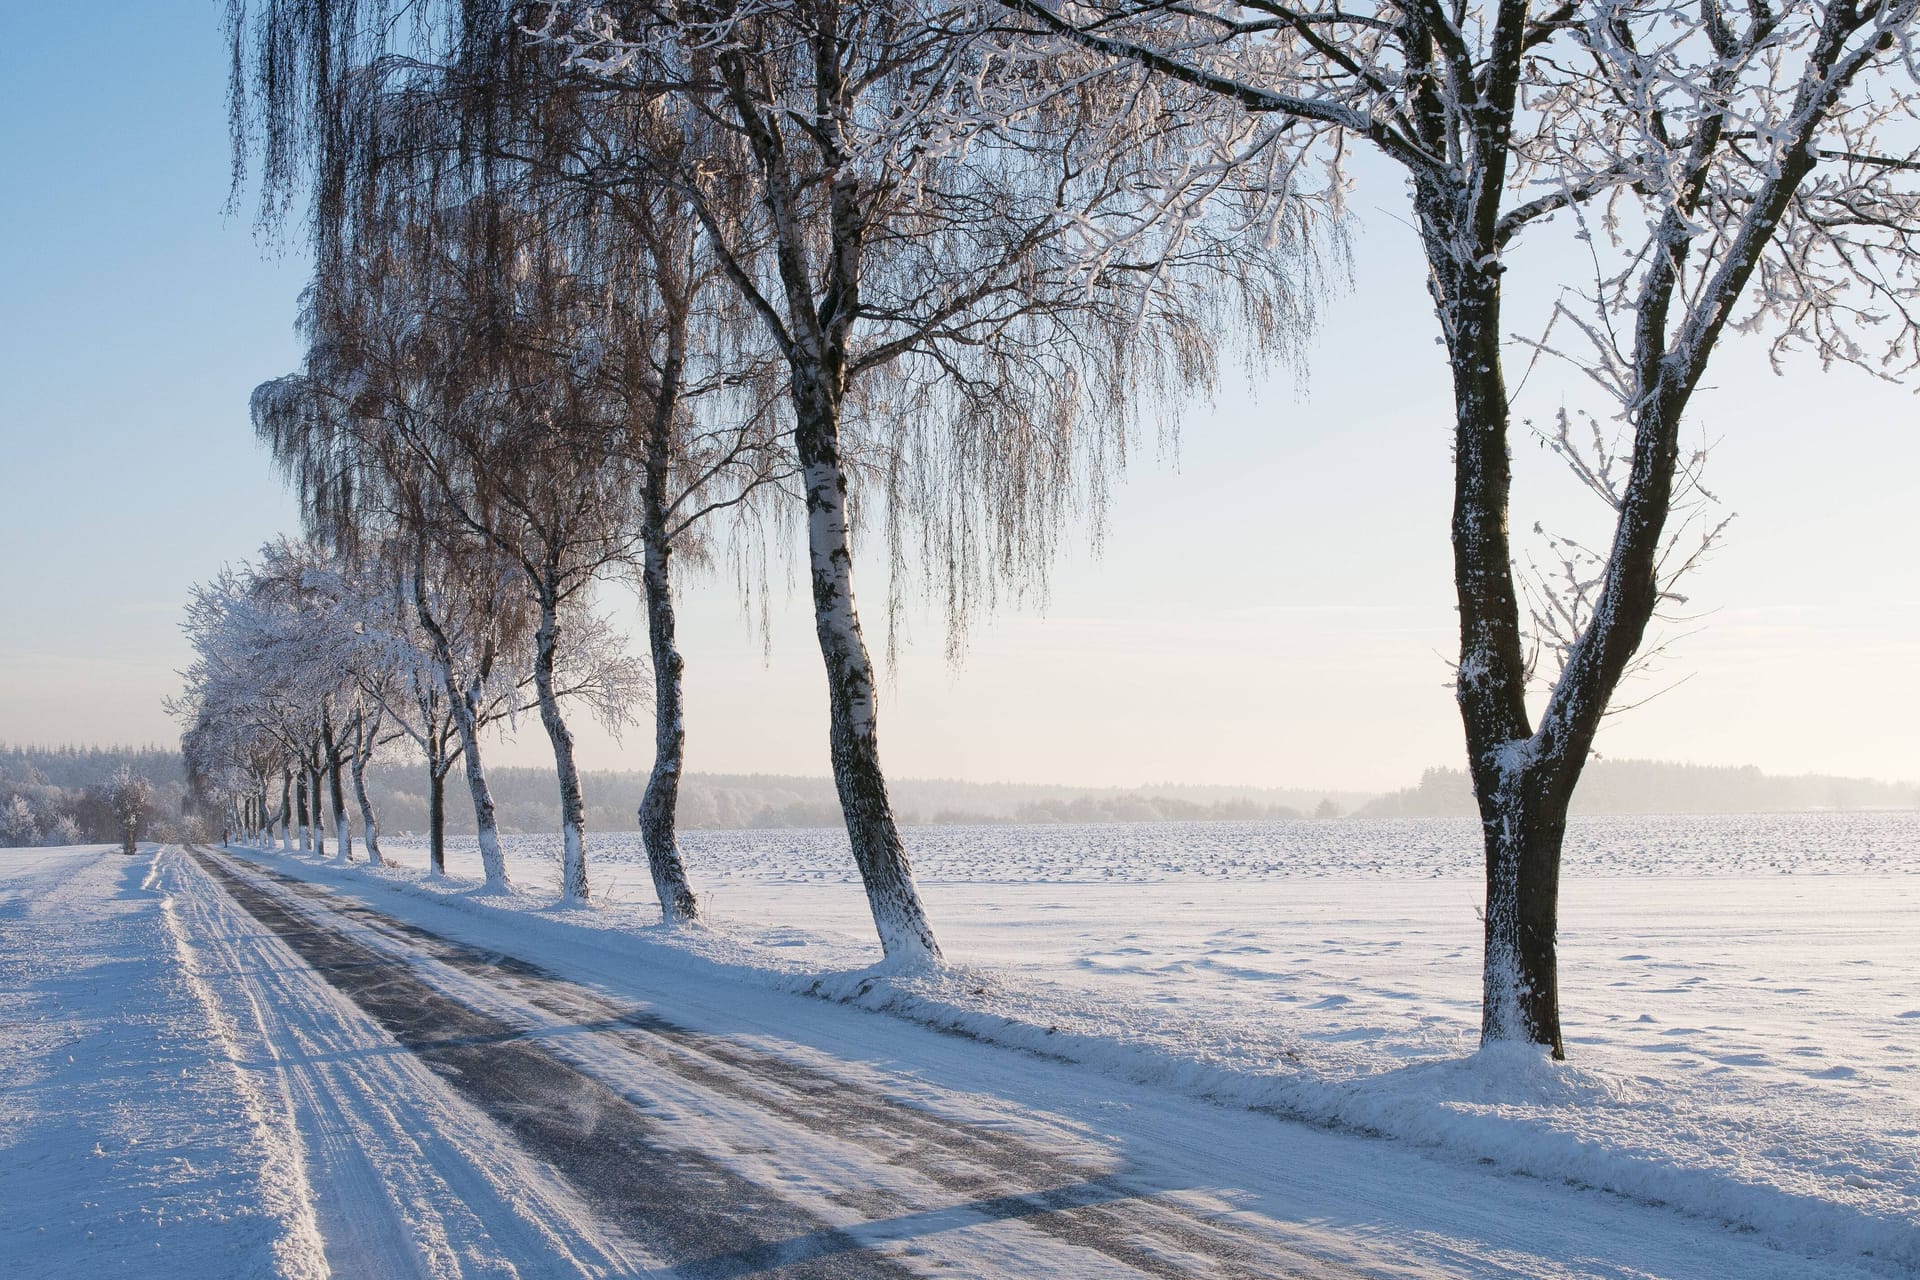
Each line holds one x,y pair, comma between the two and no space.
1741,993
132,1138
183,1097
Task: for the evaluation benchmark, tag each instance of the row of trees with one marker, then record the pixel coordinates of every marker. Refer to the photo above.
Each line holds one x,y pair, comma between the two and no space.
308,664
560,327
590,274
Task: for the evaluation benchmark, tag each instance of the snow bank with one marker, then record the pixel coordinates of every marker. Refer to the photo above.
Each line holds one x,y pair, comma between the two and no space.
134,1132
1741,1044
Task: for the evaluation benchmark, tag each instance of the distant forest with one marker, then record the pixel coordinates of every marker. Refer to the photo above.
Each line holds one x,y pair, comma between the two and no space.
69,782
1658,786
61,794
525,800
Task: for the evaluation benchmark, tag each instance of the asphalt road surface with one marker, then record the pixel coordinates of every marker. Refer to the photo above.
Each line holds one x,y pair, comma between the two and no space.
620,1127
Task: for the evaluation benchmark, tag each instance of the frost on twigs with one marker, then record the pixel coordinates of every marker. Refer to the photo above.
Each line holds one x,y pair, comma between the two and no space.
1716,166
1561,582
1035,252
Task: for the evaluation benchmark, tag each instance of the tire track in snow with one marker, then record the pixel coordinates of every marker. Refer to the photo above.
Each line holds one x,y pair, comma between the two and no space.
706,1221
408,1179
998,1176
283,1178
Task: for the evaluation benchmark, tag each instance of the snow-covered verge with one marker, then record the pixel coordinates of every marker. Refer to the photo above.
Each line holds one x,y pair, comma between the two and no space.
1742,1045
132,1136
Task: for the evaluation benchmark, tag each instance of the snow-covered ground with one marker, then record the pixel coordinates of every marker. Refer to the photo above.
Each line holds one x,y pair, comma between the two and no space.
1741,1100
1742,993
133,1137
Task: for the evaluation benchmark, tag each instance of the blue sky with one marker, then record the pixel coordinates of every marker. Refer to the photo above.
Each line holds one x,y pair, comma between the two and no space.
1271,607
135,320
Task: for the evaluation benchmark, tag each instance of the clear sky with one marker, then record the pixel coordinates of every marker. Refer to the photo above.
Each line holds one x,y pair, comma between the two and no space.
1272,605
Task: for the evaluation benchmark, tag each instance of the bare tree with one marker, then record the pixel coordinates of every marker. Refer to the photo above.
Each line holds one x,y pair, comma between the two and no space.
527,459
676,362
416,694
956,265
1720,166
437,363
469,119
333,428
964,272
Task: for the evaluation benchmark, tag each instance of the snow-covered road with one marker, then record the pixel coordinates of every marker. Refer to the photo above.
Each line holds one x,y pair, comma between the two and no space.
375,1084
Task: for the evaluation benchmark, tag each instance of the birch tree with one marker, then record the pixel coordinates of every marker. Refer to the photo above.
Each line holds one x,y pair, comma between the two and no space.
954,260
1714,166
330,427
407,698
441,358
935,231
466,118
675,360
420,696
525,456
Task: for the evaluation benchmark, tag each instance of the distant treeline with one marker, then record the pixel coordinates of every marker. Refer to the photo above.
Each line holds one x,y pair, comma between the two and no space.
1657,786
526,800
58,795
69,782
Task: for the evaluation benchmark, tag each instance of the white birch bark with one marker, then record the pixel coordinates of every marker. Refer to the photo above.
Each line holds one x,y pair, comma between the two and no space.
659,805
573,834
314,817
304,813
369,824
906,938
493,862
463,705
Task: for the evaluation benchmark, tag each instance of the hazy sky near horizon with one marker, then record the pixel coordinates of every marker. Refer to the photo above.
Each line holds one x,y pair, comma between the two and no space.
1271,605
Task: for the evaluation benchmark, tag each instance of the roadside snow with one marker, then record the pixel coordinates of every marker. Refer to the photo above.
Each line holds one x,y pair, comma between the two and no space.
131,1136
1742,1045
179,1087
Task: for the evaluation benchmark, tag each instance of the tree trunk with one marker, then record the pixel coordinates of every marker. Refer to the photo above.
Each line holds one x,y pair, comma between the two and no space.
464,705
573,809
319,823
286,813
1523,816
335,764
659,806
306,828
493,863
369,825
437,817
853,738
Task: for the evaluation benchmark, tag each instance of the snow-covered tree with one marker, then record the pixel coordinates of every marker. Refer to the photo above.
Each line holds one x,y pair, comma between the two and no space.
428,402
967,261
961,256
417,694
18,826
131,795
1713,167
